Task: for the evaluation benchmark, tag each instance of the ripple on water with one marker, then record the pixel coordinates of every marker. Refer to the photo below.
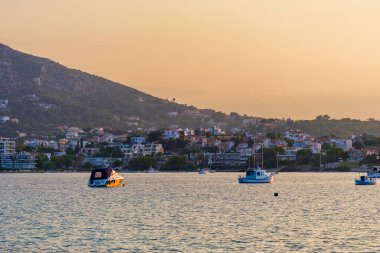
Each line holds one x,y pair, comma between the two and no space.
169,212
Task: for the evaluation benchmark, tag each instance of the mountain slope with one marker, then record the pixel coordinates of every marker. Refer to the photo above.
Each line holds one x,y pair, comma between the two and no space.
43,94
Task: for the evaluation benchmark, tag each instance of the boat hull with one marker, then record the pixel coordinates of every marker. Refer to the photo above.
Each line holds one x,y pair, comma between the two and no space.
244,180
106,183
371,182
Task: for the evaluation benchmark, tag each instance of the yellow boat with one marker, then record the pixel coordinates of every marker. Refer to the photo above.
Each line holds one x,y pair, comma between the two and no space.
106,177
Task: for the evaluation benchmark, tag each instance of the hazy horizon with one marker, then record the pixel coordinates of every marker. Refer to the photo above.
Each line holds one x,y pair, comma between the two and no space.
296,59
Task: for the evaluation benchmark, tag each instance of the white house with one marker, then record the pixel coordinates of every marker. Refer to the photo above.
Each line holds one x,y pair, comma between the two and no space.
346,145
215,130
170,134
172,114
4,119
268,143
250,121
137,140
142,149
296,135
3,104
316,147
7,147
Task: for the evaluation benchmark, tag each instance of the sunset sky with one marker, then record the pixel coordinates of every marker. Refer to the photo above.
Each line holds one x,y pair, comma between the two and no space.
284,58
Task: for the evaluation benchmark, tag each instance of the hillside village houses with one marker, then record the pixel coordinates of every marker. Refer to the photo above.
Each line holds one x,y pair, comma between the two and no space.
222,149
3,104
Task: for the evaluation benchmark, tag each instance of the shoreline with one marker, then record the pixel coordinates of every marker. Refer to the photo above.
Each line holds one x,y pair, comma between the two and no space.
143,172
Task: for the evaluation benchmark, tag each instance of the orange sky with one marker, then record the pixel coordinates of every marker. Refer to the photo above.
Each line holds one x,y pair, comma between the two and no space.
293,58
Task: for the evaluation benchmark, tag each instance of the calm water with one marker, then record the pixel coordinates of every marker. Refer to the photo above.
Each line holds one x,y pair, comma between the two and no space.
187,212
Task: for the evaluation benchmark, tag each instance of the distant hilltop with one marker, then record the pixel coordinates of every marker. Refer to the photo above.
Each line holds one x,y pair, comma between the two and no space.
39,95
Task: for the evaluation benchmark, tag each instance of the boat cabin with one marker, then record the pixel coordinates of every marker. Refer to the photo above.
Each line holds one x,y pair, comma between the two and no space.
255,173
99,174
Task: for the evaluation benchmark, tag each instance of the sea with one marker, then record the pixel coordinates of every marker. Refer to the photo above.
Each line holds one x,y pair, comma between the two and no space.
188,212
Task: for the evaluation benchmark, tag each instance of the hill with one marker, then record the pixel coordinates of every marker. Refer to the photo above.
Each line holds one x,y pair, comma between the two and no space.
43,95
39,95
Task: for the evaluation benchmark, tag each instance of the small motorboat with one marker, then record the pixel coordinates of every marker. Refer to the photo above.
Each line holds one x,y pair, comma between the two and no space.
374,173
256,176
152,170
105,177
365,180
203,172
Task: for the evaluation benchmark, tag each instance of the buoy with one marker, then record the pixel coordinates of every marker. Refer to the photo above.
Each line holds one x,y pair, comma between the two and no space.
276,194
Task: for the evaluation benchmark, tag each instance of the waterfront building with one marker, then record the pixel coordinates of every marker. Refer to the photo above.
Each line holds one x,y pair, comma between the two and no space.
18,161
229,160
7,147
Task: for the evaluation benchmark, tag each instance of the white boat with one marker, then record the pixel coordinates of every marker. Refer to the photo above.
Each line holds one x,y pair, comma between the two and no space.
374,173
106,177
365,180
203,171
256,176
152,170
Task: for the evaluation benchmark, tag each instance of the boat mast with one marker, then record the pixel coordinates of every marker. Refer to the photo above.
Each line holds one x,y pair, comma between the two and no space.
254,154
262,155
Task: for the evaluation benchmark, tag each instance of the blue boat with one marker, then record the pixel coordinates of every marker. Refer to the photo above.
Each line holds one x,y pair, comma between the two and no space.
256,176
365,180
374,173
105,177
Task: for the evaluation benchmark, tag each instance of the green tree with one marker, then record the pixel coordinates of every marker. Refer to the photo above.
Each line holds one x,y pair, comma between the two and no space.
289,142
42,149
43,163
118,163
57,162
155,136
20,146
142,163
110,152
357,145
67,161
211,149
176,163
304,156
271,136
87,166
